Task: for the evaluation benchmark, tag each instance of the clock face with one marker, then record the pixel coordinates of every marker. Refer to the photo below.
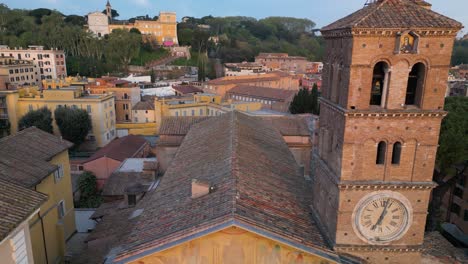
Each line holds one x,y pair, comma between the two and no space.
382,218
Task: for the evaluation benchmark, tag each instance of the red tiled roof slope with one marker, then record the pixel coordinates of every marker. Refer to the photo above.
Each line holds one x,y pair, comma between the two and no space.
263,92
24,157
179,125
256,178
144,105
120,148
394,14
187,89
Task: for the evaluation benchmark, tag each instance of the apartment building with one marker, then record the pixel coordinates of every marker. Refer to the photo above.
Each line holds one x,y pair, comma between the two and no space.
279,80
99,106
50,63
163,29
37,161
199,105
282,62
17,72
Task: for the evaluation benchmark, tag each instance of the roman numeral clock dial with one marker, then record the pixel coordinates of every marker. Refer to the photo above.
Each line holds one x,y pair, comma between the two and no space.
381,218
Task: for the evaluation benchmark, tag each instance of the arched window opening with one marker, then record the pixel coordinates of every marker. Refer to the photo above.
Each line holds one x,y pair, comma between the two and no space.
415,84
381,149
396,154
379,82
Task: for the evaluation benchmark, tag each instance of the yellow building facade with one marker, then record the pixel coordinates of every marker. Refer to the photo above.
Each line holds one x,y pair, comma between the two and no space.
100,108
233,245
55,222
199,105
163,30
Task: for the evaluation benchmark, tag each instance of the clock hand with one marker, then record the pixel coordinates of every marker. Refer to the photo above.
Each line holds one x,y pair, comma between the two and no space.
381,217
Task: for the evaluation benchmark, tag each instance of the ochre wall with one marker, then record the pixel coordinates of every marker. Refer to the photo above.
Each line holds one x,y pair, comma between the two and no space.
54,229
232,246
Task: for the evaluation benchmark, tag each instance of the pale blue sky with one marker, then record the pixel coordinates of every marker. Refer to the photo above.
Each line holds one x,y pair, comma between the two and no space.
322,12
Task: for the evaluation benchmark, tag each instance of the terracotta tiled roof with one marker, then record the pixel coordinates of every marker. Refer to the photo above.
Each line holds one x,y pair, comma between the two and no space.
394,14
120,148
144,105
290,125
16,205
262,92
35,142
256,179
173,125
119,181
24,157
187,89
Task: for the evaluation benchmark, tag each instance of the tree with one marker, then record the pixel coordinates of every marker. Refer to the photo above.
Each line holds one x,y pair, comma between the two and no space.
89,196
453,142
122,46
114,13
135,31
452,156
185,36
40,118
314,98
74,124
305,101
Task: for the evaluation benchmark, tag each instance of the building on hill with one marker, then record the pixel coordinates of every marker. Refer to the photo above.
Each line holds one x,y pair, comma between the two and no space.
15,73
282,62
15,234
270,98
110,157
384,82
163,29
98,23
38,162
279,80
238,165
99,106
50,63
242,69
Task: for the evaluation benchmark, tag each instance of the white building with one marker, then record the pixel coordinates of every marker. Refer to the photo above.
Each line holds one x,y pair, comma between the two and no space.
51,63
98,23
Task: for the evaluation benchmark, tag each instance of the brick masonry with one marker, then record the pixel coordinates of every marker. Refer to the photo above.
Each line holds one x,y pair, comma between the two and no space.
351,129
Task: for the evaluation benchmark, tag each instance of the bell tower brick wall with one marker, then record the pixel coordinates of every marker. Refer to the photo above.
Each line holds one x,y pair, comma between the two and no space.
351,128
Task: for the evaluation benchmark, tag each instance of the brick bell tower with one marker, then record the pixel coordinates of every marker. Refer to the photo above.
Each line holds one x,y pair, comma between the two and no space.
385,77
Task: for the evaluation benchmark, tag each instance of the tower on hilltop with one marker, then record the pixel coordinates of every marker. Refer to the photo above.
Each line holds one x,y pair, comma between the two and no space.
109,10
384,82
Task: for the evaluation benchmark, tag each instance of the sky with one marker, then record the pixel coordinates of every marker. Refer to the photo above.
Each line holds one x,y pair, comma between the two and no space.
321,12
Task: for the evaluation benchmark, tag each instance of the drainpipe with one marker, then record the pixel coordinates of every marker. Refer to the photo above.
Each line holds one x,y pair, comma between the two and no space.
43,233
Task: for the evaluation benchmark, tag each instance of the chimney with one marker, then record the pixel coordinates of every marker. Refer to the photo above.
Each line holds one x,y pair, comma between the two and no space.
151,168
200,188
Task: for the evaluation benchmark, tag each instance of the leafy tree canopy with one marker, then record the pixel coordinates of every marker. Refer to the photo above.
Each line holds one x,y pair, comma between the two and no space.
305,101
89,196
74,124
40,118
453,142
114,13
